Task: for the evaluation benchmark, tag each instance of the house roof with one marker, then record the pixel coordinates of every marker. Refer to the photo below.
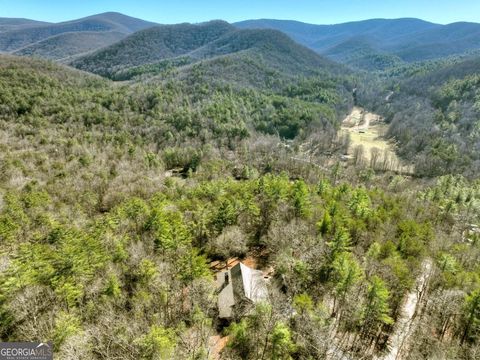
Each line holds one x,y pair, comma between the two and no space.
237,285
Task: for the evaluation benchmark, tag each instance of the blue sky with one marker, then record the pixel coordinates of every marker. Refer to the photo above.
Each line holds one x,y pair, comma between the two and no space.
313,11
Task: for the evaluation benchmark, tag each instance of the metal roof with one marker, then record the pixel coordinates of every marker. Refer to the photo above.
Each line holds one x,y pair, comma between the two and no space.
238,285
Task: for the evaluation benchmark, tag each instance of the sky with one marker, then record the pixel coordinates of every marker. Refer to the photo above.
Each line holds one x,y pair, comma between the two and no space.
311,11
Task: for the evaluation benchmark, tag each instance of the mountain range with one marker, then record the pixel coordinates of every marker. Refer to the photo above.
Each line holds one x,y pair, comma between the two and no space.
375,44
138,160
64,40
260,54
379,42
214,49
9,24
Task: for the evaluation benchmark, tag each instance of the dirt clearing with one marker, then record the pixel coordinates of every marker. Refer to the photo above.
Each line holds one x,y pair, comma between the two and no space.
368,143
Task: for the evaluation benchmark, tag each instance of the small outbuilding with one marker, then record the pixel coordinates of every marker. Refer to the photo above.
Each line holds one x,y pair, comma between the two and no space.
239,289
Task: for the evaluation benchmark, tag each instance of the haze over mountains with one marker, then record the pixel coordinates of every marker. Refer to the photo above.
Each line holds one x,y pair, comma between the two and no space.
362,43
371,44
7,24
66,39
153,45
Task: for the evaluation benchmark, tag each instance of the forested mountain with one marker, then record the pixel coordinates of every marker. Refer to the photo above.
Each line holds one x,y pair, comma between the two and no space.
152,45
7,24
268,60
276,43
102,25
382,41
370,44
133,174
446,40
107,250
64,46
361,53
310,89
214,50
322,37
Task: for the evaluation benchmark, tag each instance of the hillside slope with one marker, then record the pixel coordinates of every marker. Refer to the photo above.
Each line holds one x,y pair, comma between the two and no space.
8,24
322,37
215,57
64,46
433,108
407,39
106,246
215,50
270,41
264,59
151,45
360,52
108,22
451,39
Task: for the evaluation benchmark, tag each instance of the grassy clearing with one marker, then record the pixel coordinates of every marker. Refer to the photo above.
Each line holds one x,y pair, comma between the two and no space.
368,130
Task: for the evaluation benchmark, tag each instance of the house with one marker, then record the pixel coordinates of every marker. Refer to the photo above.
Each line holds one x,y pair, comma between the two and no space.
238,289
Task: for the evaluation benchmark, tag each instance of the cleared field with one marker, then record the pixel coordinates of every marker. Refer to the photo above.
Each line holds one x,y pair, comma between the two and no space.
370,138
368,144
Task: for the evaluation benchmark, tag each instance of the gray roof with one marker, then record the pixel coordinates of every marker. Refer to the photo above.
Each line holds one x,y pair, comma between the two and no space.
245,286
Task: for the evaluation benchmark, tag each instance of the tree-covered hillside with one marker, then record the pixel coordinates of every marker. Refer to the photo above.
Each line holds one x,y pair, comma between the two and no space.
246,60
323,37
64,46
433,112
48,36
7,24
383,42
109,251
152,45
132,177
360,53
162,49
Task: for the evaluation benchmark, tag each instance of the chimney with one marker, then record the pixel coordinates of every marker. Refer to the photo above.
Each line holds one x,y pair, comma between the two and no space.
226,278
